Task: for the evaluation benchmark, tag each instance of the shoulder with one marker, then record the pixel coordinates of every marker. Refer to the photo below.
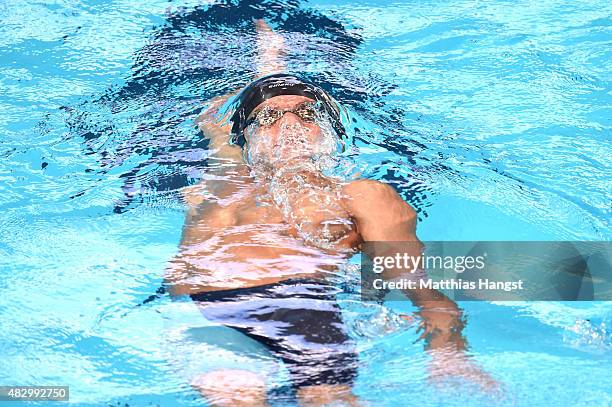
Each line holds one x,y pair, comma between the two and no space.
366,196
368,188
379,211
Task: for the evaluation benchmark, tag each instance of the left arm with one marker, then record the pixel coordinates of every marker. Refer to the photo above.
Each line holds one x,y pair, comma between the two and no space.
381,215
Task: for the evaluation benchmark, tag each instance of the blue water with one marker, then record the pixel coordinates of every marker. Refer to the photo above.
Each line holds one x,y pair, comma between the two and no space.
492,119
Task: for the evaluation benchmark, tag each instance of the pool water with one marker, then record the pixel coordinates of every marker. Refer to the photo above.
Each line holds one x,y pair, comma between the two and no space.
492,119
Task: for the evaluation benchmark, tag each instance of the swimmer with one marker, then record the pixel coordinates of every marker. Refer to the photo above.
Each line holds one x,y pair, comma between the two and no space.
265,227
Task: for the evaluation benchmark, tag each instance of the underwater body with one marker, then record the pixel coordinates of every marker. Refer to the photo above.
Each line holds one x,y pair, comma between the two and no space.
491,120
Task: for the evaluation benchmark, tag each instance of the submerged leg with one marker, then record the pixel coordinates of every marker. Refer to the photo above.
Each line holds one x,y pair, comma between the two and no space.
327,394
231,387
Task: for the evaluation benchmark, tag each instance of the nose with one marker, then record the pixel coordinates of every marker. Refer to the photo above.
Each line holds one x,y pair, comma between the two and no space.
290,118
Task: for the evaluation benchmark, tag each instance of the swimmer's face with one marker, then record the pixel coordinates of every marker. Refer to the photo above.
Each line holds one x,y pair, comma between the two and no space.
287,127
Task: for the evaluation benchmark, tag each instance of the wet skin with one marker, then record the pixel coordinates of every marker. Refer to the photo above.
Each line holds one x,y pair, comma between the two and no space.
235,235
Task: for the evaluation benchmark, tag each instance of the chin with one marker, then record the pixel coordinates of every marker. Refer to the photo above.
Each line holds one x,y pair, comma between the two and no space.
288,154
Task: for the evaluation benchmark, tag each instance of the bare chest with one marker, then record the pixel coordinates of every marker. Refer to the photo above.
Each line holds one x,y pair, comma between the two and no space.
314,216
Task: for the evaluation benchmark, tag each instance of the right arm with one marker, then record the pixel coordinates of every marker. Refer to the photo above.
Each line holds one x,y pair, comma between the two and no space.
270,53
270,47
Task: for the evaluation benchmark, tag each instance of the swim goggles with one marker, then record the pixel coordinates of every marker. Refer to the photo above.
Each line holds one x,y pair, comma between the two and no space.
271,86
267,116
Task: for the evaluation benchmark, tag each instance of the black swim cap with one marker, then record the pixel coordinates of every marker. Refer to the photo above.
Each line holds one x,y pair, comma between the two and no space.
276,85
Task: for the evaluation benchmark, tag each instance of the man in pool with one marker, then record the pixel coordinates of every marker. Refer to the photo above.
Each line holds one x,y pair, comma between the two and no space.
265,228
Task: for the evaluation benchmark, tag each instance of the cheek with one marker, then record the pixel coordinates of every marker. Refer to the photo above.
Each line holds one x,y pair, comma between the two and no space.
257,138
262,140
273,134
315,132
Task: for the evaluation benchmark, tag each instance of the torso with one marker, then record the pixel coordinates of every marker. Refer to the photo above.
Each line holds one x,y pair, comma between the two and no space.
256,233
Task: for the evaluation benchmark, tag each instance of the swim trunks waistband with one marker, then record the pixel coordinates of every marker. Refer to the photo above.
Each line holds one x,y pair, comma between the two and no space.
298,320
222,295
